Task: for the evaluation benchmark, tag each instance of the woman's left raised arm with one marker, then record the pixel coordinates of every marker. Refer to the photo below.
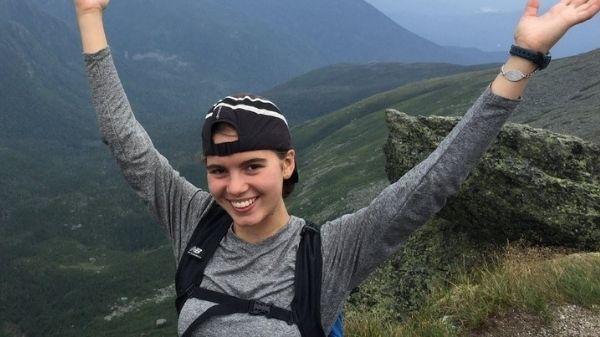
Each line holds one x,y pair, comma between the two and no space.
354,244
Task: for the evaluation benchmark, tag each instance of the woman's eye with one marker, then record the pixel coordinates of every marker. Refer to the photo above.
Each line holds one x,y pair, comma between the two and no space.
253,168
216,171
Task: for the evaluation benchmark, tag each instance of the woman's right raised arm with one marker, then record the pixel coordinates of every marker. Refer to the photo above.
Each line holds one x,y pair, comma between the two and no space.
174,201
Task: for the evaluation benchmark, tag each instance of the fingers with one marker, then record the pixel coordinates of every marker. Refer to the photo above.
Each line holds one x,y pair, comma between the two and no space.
577,3
532,8
588,10
594,6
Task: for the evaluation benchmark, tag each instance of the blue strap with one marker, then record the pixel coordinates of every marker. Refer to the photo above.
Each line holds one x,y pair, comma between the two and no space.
338,327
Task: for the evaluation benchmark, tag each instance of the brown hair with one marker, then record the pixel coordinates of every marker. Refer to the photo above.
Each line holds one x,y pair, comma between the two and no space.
288,184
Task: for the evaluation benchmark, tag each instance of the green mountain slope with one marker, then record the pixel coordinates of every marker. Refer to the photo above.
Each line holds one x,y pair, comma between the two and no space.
565,98
328,89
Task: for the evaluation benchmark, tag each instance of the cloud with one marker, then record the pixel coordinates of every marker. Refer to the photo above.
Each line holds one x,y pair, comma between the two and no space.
158,56
488,9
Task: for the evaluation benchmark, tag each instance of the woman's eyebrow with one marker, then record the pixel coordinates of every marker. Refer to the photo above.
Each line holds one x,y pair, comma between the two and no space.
244,163
254,161
214,166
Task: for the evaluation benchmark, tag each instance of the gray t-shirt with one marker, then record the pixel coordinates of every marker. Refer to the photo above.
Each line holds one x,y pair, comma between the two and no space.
353,245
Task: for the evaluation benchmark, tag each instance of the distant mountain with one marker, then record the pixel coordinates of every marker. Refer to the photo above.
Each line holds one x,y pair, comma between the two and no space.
176,58
252,45
486,25
440,7
42,88
330,88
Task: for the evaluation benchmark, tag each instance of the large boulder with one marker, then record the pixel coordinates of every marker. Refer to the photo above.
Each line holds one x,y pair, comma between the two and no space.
532,186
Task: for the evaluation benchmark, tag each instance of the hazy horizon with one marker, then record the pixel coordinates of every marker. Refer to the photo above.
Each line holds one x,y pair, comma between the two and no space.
483,24
455,6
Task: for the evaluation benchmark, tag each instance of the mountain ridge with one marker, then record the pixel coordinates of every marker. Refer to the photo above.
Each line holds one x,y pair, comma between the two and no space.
333,87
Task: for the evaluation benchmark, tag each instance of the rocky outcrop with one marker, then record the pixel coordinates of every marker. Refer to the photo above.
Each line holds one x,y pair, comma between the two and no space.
532,186
161,322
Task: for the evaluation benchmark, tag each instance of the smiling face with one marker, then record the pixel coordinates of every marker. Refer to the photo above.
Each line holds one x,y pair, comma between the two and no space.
248,185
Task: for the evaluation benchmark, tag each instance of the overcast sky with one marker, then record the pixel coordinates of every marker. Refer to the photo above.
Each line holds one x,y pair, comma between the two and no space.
455,6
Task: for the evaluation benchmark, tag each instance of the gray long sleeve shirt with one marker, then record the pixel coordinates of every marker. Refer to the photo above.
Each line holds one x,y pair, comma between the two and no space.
353,245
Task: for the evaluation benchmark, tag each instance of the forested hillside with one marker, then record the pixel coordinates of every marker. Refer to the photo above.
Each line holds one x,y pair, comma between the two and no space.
331,88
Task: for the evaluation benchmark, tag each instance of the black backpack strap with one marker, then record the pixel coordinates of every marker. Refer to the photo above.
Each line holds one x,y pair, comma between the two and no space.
209,232
307,299
217,310
227,305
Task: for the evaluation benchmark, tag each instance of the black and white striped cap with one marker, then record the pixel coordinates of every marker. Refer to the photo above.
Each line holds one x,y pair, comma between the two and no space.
259,123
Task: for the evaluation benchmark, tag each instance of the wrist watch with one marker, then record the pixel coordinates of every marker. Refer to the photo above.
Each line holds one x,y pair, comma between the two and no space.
540,59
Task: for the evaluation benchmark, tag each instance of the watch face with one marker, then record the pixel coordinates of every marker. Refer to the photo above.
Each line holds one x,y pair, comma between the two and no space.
514,75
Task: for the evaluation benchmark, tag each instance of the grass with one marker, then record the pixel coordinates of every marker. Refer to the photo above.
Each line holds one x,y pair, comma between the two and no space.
528,280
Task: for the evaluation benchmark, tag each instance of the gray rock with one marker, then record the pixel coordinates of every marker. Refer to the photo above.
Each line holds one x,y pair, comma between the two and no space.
161,322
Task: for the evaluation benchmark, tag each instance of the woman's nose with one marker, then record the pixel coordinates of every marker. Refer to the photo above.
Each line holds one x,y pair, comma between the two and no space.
237,184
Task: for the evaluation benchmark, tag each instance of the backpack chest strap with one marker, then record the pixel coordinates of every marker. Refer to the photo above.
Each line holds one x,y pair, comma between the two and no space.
227,305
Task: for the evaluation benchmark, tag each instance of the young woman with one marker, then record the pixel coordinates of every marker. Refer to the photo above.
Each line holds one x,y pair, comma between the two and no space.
249,160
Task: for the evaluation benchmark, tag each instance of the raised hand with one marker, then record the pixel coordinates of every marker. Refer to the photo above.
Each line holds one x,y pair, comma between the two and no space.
540,33
91,27
86,6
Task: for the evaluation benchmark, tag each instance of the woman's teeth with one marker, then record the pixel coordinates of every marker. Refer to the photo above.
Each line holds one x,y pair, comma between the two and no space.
243,203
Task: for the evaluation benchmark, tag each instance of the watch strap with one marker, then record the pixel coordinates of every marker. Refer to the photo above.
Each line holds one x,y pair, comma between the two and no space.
540,59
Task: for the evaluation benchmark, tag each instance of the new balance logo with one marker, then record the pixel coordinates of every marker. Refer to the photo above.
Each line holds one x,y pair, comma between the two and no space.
196,252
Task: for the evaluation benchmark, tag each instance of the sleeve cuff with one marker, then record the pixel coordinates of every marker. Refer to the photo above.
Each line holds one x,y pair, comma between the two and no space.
496,100
97,56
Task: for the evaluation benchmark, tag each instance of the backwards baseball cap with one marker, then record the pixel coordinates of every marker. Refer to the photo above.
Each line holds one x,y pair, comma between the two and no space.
259,123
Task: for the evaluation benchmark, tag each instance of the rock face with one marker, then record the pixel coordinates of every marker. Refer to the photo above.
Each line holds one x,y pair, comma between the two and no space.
531,185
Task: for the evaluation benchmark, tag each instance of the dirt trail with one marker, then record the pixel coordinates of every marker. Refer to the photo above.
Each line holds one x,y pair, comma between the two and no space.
566,321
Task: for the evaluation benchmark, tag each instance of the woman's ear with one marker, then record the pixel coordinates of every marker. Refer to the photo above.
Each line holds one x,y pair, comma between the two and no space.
289,164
